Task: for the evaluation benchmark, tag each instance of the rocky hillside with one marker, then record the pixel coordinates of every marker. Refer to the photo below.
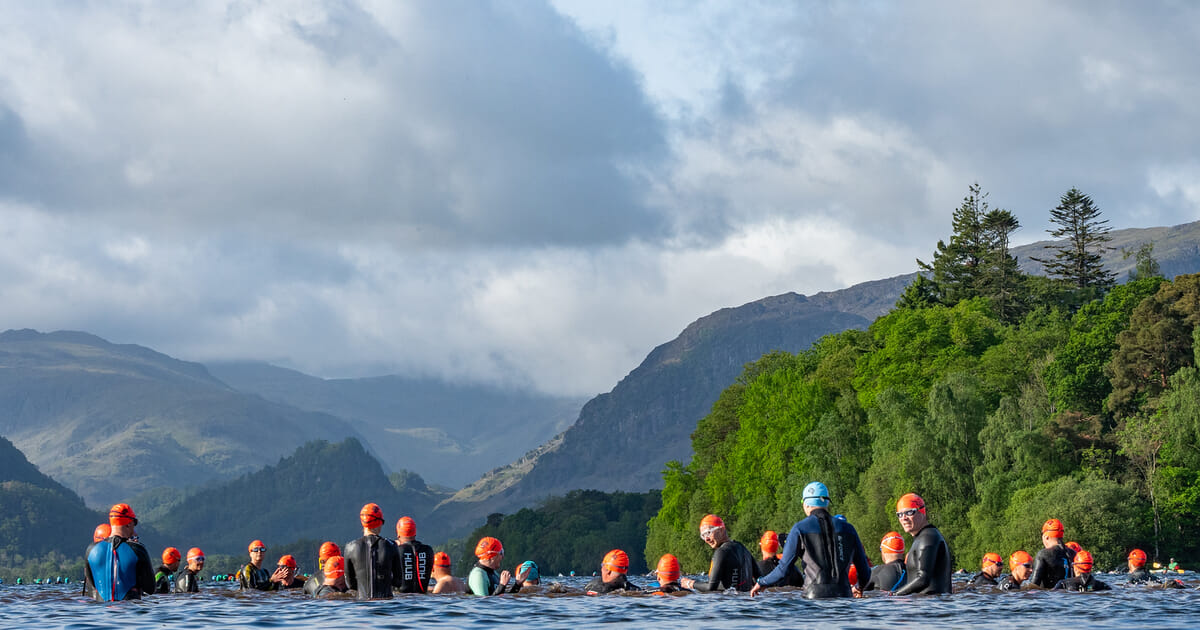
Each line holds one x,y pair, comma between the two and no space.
623,439
110,421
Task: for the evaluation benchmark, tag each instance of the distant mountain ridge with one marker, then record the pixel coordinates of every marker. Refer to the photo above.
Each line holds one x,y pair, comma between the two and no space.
110,421
623,439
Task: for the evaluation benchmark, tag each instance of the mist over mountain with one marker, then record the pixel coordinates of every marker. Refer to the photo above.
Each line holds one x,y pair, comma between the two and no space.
110,421
623,439
451,434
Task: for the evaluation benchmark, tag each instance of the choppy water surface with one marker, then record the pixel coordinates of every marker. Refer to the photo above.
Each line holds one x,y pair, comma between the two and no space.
221,605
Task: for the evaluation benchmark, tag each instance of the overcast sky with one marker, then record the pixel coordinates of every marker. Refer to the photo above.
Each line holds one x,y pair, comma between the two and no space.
537,194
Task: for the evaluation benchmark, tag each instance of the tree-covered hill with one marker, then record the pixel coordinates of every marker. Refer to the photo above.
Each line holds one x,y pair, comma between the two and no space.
315,494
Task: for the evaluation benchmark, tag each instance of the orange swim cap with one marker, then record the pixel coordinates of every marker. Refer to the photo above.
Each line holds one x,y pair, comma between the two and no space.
892,543
668,568
195,554
1137,558
1074,546
1083,561
287,561
406,527
371,516
712,521
257,546
488,547
441,559
121,514
103,530
328,550
616,561
911,501
991,558
769,542
170,554
1018,558
335,567
1053,528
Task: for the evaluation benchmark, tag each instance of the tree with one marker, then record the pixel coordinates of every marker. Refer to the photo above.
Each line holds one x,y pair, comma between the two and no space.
1078,259
958,266
1146,265
1002,278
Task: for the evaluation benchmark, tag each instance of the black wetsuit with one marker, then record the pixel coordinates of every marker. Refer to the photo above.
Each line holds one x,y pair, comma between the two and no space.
372,566
163,577
313,583
1082,583
187,582
326,589
598,586
929,564
732,567
1007,583
416,561
1052,566
256,579
828,547
671,587
1141,576
887,577
295,583
793,577
984,579
122,567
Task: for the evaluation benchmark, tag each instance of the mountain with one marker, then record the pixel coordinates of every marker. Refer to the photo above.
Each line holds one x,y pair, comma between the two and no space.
38,516
110,421
314,493
623,439
419,424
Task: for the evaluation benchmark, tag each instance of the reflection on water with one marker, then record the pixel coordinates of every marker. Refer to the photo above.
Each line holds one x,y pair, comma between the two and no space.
222,605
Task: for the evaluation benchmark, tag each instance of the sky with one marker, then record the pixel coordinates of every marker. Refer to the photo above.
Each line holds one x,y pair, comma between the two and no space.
536,194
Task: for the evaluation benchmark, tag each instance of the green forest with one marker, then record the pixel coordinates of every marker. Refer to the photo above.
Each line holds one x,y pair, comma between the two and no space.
1003,399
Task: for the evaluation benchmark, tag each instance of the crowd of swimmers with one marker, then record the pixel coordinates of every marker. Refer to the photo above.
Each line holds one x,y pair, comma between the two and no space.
832,563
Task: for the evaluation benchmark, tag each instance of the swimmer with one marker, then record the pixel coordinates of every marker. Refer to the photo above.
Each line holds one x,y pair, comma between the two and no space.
372,562
769,544
290,577
612,575
732,564
328,550
165,575
102,531
1053,561
445,582
991,567
1083,580
483,579
527,574
118,568
827,547
668,573
334,578
415,557
1137,568
253,576
189,579
890,575
1020,566
929,563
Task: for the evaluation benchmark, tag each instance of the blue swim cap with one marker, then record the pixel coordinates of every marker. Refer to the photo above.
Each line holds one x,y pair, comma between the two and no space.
816,495
533,569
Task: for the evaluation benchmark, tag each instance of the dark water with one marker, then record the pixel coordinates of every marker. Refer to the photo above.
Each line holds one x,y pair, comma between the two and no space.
221,605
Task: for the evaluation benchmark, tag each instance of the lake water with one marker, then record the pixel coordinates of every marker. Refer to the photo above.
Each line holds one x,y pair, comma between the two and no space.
221,605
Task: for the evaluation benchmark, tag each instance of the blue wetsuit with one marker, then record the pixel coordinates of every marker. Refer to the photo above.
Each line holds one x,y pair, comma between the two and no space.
828,546
117,569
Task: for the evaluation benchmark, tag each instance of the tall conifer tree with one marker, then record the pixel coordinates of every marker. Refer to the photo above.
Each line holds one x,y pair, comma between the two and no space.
1078,259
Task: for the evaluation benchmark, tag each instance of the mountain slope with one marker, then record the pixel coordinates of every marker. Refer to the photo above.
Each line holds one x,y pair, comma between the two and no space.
623,439
419,424
110,420
315,493
37,514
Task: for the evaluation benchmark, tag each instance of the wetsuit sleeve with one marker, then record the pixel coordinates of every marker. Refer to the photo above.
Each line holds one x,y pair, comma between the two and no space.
716,571
89,583
924,557
1040,566
145,571
350,550
477,582
791,549
860,561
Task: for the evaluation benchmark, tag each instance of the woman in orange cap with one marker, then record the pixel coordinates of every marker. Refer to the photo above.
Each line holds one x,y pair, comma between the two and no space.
189,580
1053,561
1083,580
991,566
612,575
668,573
253,576
164,577
1020,566
769,545
890,575
328,550
334,578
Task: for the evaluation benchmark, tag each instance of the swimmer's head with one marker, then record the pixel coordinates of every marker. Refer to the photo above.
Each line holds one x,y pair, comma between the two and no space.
103,531
371,516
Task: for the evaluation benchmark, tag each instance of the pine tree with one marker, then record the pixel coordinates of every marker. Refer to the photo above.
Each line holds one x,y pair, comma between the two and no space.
958,267
1002,278
1078,259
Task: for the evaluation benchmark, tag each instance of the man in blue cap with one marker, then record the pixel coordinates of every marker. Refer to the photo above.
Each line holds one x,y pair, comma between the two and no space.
828,546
